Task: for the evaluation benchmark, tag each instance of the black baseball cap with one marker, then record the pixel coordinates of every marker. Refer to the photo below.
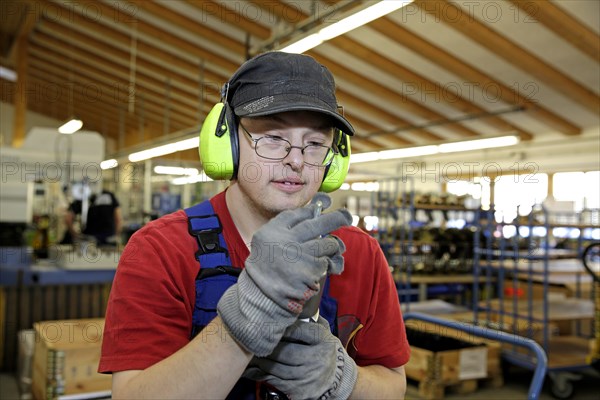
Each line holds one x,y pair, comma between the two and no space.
276,82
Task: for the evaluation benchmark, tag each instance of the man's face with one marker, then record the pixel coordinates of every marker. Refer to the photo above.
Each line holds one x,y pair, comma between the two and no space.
271,186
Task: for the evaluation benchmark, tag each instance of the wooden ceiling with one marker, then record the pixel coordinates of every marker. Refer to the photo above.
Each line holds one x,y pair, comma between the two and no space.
430,72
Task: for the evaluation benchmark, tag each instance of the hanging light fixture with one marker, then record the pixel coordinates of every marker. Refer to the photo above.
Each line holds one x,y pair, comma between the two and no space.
355,19
71,126
74,124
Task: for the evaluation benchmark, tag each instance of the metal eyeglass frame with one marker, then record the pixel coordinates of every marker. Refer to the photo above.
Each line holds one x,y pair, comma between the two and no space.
290,147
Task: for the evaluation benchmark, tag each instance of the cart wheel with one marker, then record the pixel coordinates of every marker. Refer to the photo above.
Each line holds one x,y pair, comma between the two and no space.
562,391
562,385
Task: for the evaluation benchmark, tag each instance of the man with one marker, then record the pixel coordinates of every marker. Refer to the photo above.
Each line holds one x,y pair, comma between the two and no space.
281,113
103,219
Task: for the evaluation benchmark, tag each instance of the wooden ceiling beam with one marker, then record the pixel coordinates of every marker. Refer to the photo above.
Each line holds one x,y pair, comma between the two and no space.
99,116
111,75
87,49
361,125
380,114
117,13
32,16
191,47
179,20
90,114
454,17
445,60
563,24
103,93
148,55
20,102
424,85
392,97
231,17
283,11
97,91
49,91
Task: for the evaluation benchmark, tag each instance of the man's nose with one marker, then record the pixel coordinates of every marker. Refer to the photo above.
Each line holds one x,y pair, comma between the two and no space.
295,157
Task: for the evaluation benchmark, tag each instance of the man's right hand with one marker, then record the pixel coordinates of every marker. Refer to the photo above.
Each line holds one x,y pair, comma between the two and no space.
288,257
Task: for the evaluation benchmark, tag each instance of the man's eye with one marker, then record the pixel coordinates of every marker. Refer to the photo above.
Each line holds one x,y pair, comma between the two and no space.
273,139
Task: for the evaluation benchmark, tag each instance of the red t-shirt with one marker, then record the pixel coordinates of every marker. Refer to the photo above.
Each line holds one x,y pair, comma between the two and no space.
149,313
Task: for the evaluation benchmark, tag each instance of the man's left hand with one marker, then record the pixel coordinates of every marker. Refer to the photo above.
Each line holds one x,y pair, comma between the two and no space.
308,363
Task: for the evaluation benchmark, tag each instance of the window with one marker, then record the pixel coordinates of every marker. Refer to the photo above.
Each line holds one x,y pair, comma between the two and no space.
517,194
583,188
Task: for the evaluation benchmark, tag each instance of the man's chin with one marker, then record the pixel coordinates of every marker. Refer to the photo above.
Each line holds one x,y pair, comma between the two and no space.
281,200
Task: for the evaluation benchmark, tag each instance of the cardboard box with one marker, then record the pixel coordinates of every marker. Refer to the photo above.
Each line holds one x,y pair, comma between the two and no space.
66,357
440,362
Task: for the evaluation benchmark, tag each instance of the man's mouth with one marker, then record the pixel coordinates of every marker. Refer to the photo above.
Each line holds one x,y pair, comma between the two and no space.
288,182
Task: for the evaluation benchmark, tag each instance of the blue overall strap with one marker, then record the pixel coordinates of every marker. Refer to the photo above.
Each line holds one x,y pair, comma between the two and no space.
328,308
206,227
216,274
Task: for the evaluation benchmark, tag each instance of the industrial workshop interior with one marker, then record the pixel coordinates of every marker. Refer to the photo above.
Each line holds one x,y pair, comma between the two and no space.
475,165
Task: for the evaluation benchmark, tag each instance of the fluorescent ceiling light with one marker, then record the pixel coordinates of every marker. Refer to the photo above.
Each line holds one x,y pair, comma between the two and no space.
71,126
467,145
365,186
162,169
108,164
201,177
8,74
361,18
478,144
165,149
304,44
408,152
345,25
361,186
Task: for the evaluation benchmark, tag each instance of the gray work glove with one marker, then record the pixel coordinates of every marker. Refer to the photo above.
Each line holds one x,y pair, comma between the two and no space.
309,363
288,257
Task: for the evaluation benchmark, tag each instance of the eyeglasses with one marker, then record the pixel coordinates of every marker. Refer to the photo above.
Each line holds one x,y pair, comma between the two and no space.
276,148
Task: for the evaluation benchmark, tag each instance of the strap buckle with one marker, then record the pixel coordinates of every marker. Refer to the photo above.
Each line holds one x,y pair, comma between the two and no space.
207,231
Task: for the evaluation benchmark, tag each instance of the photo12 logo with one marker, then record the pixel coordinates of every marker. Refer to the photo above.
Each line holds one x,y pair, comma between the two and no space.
49,172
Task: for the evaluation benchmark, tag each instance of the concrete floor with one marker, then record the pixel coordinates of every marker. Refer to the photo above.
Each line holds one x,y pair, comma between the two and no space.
515,387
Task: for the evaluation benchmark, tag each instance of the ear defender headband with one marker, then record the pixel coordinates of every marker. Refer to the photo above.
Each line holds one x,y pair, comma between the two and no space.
219,148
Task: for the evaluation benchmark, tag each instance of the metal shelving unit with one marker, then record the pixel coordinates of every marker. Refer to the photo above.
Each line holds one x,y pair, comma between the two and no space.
417,267
521,275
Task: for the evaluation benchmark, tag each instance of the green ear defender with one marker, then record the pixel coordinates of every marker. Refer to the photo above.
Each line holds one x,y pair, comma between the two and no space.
219,150
219,143
336,172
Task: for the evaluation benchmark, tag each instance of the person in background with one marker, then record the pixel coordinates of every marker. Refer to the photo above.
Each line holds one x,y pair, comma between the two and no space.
103,219
362,225
72,222
279,121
